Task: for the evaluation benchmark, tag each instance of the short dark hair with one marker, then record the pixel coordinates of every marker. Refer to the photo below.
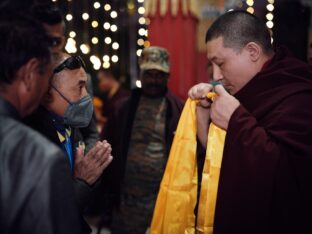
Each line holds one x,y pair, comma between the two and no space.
21,39
47,13
238,28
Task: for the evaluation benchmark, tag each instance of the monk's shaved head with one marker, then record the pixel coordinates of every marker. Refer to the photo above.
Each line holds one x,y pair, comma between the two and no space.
238,28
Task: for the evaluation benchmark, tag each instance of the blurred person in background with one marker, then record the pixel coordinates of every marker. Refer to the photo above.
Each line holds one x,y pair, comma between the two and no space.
143,129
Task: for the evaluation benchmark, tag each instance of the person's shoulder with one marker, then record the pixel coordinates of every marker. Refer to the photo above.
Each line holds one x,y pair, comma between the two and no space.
28,142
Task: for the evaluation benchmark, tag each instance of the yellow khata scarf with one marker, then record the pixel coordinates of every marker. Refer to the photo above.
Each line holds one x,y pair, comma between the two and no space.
174,209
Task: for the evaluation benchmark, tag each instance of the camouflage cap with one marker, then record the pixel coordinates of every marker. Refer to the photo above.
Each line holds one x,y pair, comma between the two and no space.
154,57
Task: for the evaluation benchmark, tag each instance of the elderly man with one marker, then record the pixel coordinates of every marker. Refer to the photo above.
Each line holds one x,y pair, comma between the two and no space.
144,125
264,104
35,185
52,20
66,107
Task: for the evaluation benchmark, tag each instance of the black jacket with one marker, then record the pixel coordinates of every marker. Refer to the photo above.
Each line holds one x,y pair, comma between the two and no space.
41,121
35,185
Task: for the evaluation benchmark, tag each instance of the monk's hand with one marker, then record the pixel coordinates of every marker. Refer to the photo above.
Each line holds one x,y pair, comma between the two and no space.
199,92
90,167
223,107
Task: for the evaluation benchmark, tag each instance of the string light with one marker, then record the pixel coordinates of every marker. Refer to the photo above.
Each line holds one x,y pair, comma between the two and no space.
115,45
139,51
138,84
106,25
85,49
140,42
94,24
113,14
114,58
269,16
96,5
250,8
72,34
85,16
106,58
142,20
107,7
113,28
141,10
106,65
70,46
69,17
108,40
94,40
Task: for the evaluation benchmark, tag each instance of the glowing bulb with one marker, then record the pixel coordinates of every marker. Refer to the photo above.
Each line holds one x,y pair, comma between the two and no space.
271,1
140,1
69,17
270,7
113,28
141,31
71,46
115,45
138,84
106,65
114,58
96,5
72,34
147,44
140,42
250,10
106,25
107,7
94,24
250,2
139,51
85,49
142,20
269,16
94,40
106,58
108,40
269,24
85,16
141,10
113,14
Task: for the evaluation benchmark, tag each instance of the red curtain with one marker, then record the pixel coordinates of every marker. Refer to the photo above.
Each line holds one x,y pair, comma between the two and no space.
178,35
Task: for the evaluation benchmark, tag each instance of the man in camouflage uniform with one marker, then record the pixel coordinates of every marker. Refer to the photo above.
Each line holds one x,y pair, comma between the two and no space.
144,126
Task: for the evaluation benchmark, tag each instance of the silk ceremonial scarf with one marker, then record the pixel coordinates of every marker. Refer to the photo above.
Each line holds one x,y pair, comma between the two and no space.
177,197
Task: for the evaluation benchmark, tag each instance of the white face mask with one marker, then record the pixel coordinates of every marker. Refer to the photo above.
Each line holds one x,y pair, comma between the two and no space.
78,114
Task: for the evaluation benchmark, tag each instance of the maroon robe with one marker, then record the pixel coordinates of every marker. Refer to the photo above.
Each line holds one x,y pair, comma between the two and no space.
266,176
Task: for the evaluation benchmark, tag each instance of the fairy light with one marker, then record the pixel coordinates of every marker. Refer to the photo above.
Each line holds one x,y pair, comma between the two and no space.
107,7
85,16
69,17
96,5
94,24
72,34
270,16
250,8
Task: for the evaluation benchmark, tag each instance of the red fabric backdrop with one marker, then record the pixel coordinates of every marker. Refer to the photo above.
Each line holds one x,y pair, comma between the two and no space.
178,35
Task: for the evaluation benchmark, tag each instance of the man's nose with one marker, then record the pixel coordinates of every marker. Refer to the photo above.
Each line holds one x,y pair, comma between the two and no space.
217,74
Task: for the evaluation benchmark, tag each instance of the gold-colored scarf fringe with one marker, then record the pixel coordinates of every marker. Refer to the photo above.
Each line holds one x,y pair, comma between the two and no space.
174,210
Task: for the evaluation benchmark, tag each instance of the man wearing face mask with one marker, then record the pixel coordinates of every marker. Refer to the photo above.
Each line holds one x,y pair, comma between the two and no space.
143,128
66,107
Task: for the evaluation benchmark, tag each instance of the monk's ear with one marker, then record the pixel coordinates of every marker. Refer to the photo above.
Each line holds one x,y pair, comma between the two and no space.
254,51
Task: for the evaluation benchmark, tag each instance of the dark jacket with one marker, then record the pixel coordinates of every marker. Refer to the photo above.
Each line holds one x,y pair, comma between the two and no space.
35,183
41,121
121,126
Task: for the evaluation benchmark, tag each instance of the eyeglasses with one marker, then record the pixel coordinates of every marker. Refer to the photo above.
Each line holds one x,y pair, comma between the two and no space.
71,63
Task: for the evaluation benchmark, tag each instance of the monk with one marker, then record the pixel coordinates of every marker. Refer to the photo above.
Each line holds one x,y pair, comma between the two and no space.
265,106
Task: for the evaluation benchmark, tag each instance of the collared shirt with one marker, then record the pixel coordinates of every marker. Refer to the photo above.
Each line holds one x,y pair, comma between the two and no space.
64,134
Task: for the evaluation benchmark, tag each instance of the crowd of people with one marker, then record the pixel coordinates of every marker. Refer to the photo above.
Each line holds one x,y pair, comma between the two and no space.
62,155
